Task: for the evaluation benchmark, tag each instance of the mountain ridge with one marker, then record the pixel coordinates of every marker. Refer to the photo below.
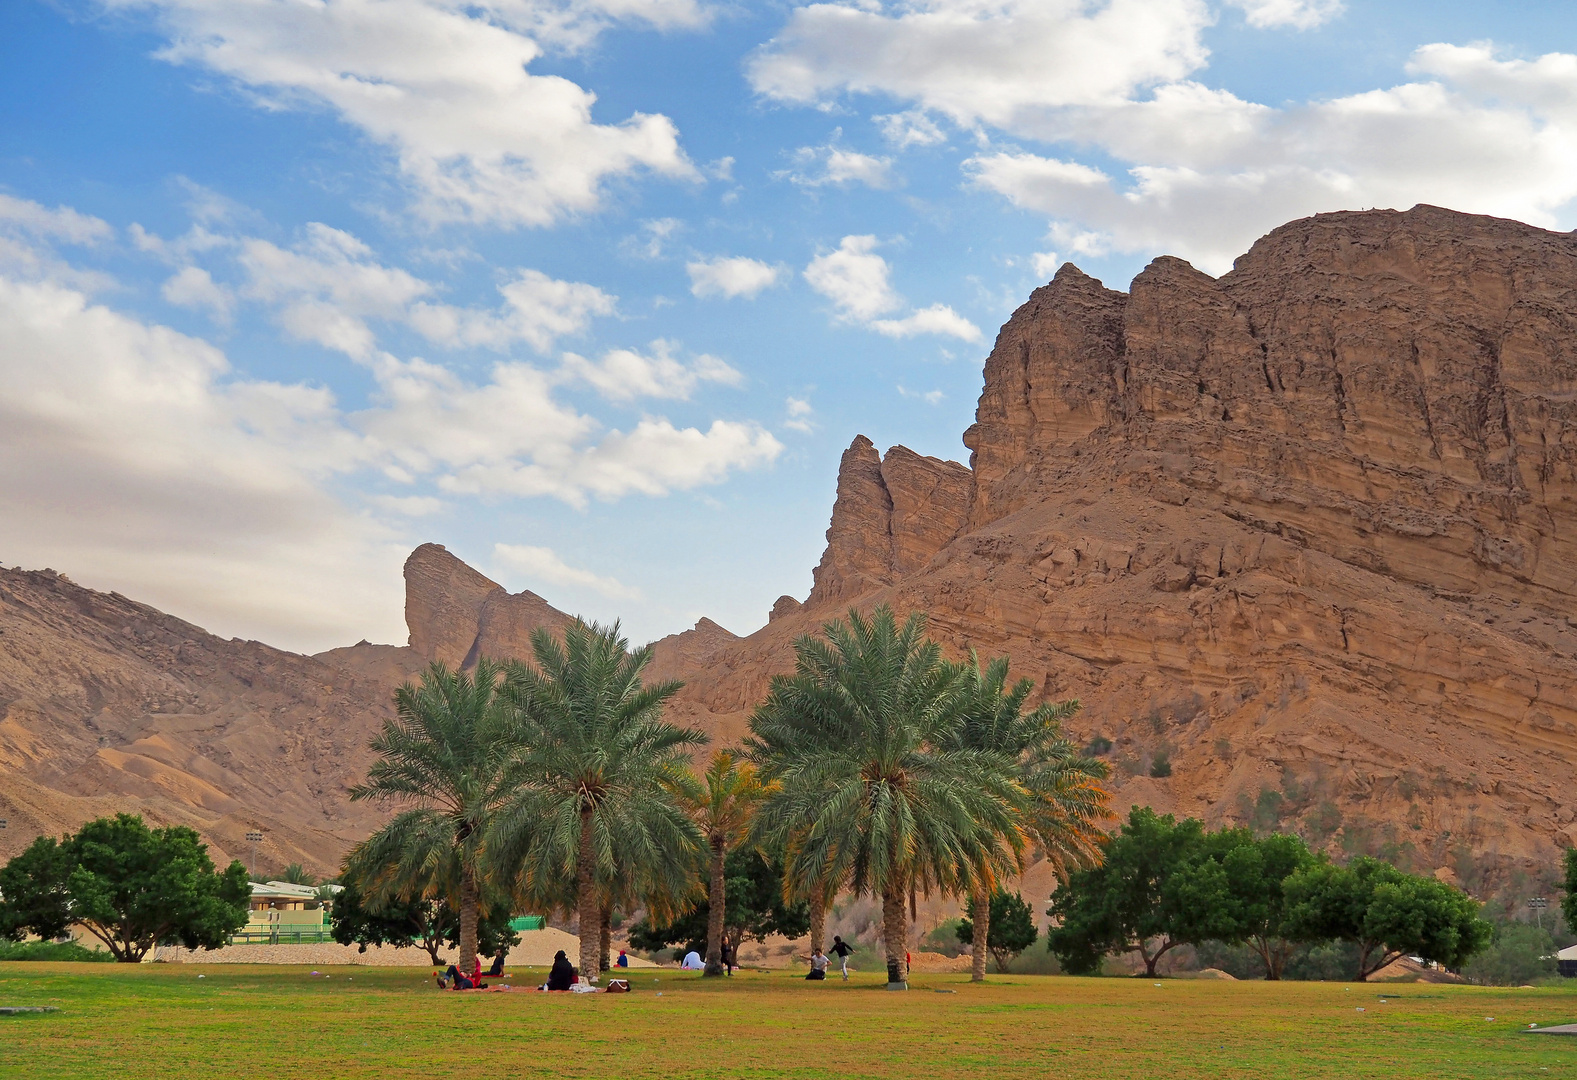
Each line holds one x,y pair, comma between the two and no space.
1303,529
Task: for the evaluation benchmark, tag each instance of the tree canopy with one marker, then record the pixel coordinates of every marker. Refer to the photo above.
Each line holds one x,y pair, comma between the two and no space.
445,750
429,923
871,791
1385,912
1123,905
600,782
130,886
1229,888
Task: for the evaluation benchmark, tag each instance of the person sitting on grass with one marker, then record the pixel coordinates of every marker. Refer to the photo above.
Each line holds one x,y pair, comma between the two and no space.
497,970
458,980
818,966
562,976
623,961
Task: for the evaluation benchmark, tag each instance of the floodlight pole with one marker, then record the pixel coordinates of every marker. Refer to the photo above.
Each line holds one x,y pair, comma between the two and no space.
1538,904
256,837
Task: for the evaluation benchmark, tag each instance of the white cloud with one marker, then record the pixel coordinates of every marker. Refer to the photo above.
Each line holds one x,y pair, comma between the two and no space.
192,287
830,165
930,397
936,319
1200,172
912,128
731,276
856,280
654,236
544,565
131,459
1045,264
445,86
61,223
134,458
624,374
328,287
799,415
975,61
1297,14
1484,136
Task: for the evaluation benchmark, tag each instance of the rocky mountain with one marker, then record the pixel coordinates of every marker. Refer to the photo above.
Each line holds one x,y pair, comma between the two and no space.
1298,538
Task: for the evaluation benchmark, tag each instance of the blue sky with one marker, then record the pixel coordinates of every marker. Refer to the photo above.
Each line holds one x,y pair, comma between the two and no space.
595,292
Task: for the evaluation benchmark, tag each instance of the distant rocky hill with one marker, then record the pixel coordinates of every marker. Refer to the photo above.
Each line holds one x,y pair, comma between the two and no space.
1304,532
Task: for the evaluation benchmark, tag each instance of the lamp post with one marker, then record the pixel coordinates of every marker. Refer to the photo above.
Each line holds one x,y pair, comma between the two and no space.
1538,904
256,838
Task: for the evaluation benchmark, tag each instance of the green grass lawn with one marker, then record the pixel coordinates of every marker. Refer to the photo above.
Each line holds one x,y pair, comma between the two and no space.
163,1021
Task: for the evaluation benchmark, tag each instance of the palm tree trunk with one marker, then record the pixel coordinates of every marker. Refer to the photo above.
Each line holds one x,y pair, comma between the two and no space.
468,906
980,916
605,938
589,908
818,921
895,929
714,914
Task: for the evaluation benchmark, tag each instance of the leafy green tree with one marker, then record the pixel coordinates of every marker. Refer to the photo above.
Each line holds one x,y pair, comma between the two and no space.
601,781
1569,903
1385,912
428,923
1517,954
130,886
33,893
1230,889
870,790
1121,905
1011,931
1063,799
729,793
446,750
754,910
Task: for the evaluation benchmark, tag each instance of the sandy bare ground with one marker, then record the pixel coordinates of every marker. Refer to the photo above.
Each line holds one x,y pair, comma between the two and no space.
536,949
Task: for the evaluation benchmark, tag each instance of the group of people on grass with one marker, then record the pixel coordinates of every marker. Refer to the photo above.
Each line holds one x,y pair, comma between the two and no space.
562,975
820,961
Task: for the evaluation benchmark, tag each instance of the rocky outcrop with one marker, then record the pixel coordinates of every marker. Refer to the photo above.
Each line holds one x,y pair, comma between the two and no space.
443,604
891,516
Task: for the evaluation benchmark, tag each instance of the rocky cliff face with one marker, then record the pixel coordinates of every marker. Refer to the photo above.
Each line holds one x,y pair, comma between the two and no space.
1302,529
891,516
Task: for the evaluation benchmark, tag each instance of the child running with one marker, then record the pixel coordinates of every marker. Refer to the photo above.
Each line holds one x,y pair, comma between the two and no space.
841,949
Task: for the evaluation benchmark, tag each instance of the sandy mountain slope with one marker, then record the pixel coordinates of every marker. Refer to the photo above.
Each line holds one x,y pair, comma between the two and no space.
1304,529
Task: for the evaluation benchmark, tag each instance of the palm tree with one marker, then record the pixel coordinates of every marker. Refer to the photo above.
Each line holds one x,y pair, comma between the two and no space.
445,749
730,792
1063,797
871,792
599,778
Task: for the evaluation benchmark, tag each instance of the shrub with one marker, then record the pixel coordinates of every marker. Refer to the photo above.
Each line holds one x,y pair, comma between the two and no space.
53,951
1161,765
